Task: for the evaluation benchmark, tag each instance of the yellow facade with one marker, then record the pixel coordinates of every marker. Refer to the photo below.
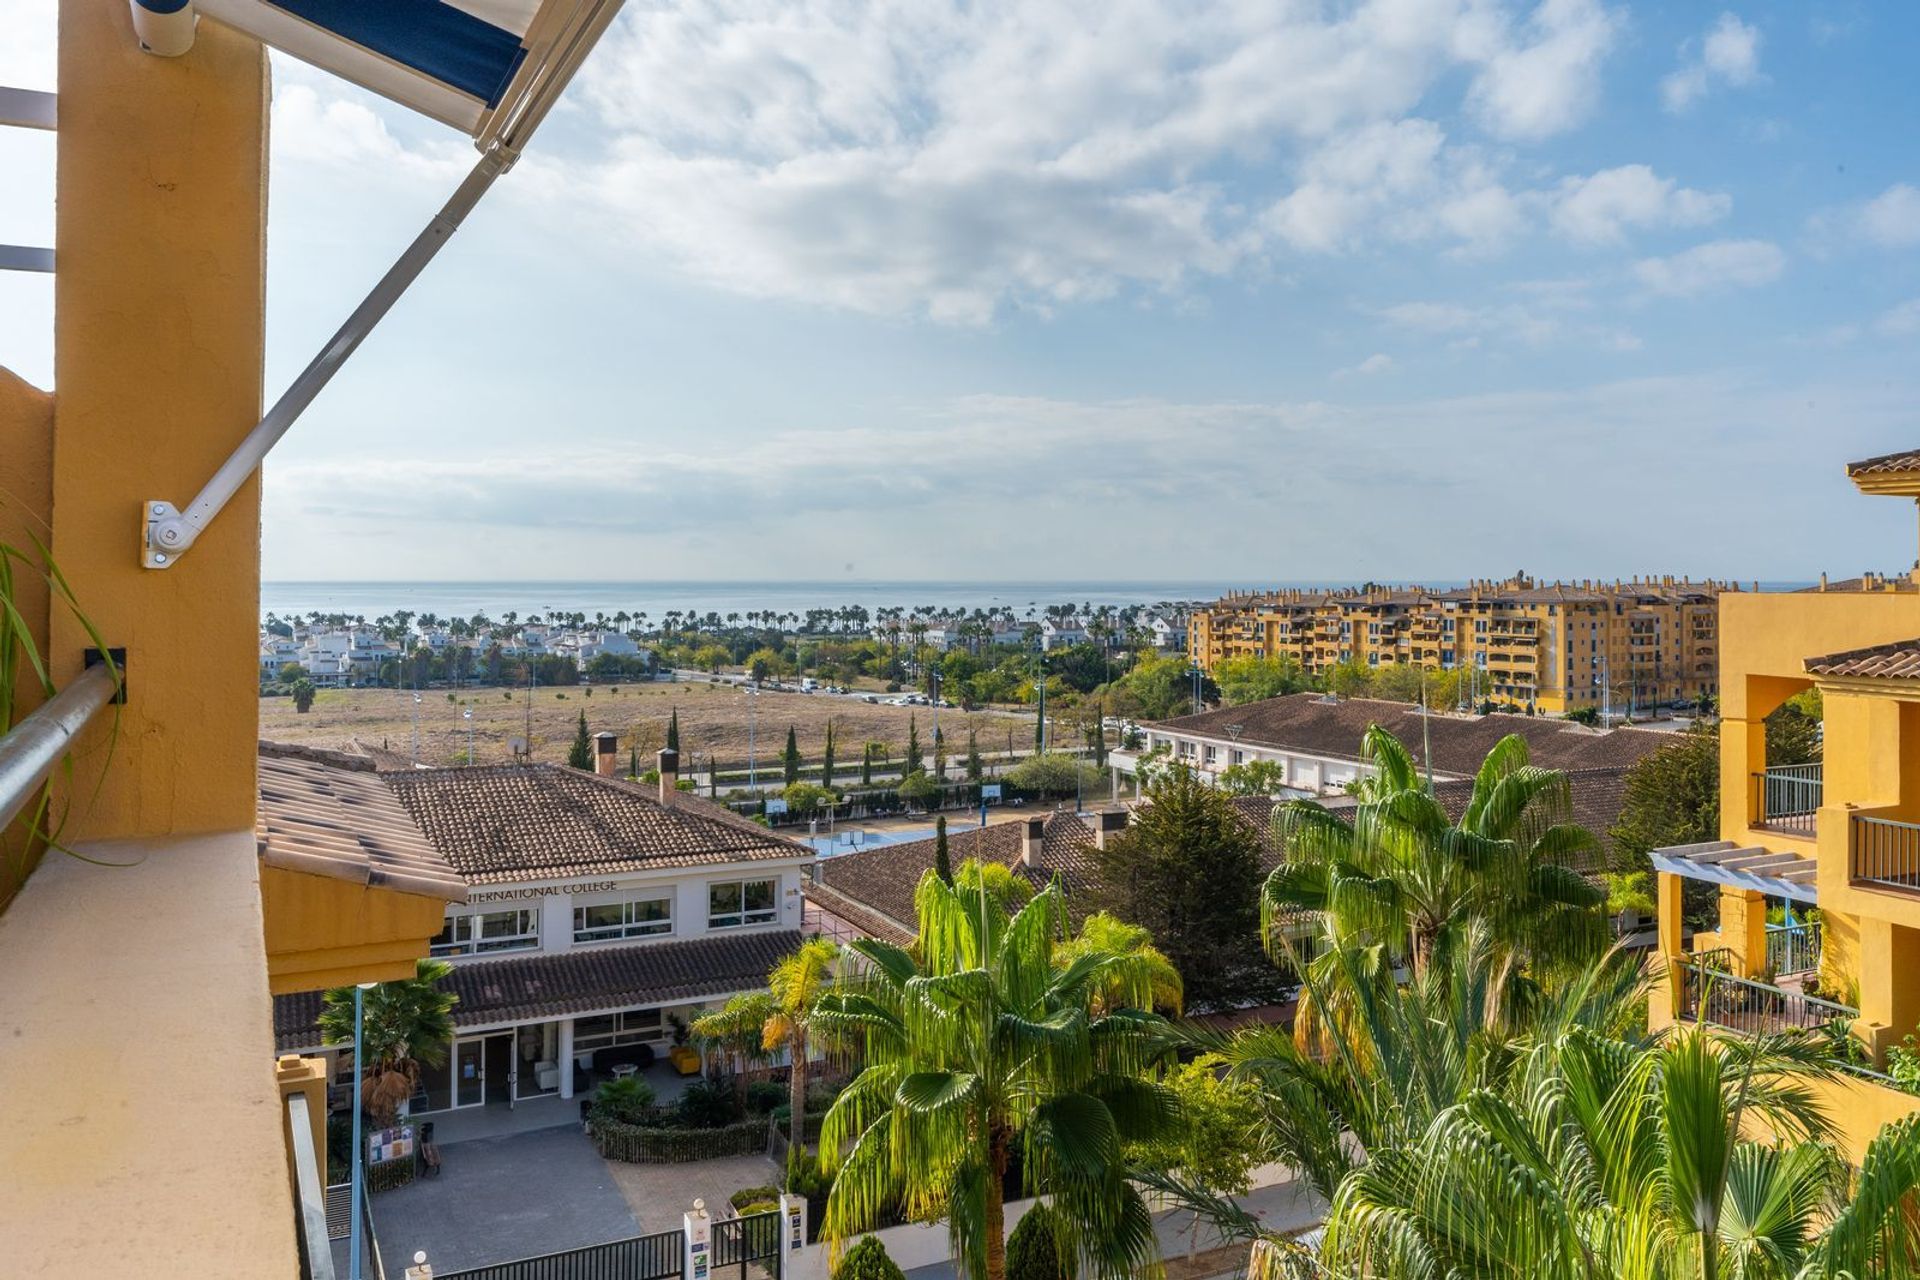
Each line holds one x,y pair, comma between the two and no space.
1553,648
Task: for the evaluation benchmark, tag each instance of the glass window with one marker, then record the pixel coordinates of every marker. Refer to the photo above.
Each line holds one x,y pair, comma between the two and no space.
632,918
474,932
738,902
635,1026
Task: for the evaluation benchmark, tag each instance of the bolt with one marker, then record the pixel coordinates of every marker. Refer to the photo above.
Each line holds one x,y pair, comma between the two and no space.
159,557
159,508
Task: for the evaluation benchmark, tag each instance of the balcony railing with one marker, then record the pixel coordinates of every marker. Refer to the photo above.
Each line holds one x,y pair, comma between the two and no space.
1709,994
316,1246
1790,797
1793,948
1884,853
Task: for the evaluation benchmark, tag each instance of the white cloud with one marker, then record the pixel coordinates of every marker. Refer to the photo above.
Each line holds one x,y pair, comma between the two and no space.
1729,54
1708,268
1378,362
1601,208
1900,321
1545,79
1892,218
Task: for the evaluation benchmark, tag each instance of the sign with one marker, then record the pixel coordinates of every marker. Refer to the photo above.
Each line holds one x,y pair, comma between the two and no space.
543,891
389,1144
990,791
776,806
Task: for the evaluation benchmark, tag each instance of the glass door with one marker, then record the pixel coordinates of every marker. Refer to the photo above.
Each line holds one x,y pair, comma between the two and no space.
469,1073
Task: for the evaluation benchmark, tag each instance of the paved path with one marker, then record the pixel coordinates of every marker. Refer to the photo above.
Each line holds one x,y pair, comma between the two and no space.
498,1199
659,1194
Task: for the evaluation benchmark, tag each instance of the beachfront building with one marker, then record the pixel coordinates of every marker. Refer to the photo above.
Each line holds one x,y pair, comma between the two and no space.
1314,740
1624,647
1815,878
597,918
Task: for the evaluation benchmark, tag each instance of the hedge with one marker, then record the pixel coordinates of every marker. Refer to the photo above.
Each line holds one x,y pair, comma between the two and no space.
389,1174
637,1145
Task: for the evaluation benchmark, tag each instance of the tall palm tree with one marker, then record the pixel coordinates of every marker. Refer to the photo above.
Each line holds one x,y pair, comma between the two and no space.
1400,871
736,1033
1601,1160
796,984
405,1025
981,1040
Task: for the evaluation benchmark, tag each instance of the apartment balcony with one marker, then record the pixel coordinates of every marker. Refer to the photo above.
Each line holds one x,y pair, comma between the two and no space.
1883,853
1789,797
1708,991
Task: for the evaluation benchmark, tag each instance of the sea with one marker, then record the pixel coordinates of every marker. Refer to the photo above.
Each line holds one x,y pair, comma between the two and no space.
657,599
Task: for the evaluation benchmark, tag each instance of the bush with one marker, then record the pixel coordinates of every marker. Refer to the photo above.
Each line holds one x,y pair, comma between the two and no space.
806,1180
868,1260
764,1095
751,1200
1032,1251
706,1105
629,1101
636,1144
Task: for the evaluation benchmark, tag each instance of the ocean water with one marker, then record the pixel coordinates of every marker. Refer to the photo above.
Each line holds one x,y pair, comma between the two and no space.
656,599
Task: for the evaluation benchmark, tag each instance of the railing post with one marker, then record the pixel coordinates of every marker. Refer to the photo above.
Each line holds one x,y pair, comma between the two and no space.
421,1268
793,1232
697,1232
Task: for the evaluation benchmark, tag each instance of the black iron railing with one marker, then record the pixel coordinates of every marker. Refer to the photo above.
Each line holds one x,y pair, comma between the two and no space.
1793,948
1790,797
1885,852
1740,1004
660,1256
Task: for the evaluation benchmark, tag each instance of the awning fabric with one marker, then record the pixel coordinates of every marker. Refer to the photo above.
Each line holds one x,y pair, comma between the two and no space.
489,68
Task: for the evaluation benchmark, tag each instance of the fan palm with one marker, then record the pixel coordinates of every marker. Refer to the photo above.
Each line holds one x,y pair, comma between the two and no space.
405,1025
981,1041
796,984
1401,872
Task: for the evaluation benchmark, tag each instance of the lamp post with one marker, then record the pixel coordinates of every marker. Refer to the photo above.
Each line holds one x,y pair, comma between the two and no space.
753,712
358,1195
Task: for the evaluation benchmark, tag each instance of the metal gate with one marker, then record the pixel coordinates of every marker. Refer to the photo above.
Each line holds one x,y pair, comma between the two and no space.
655,1257
747,1248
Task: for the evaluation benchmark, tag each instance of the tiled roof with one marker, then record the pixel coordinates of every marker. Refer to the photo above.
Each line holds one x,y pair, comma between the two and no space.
873,889
1886,464
585,980
519,822
1594,799
1311,724
328,814
1899,660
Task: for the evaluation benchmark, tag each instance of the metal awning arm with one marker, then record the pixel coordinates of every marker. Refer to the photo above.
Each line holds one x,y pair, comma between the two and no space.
170,531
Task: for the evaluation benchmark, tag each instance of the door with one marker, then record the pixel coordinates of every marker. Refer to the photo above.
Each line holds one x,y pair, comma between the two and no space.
496,1068
469,1073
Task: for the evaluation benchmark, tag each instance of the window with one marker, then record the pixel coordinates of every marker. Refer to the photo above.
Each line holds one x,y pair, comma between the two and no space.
478,932
635,1026
631,918
738,902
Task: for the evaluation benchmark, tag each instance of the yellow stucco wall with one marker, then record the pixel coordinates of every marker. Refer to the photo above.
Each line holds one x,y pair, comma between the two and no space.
158,341
327,933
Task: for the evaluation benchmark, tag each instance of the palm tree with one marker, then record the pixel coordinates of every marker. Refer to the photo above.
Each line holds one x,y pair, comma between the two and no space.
1600,1160
981,1039
405,1025
1401,872
796,984
736,1032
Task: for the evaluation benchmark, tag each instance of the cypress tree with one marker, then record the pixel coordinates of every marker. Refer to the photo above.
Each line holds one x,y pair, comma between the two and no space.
866,765
914,764
942,860
633,760
673,730
939,756
790,758
826,764
580,754
975,770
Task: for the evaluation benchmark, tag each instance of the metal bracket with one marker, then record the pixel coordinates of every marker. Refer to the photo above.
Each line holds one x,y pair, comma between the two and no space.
164,537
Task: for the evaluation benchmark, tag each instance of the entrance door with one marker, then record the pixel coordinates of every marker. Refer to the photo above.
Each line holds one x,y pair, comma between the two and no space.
497,1069
469,1073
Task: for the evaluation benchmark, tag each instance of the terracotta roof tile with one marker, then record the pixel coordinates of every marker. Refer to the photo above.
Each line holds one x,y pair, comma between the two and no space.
1899,660
1886,464
518,822
328,814
591,979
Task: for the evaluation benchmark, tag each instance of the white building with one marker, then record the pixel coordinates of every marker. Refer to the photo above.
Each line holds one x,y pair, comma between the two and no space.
1062,633
601,916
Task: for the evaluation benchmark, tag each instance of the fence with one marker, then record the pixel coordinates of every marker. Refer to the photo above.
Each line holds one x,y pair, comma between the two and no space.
1790,797
636,1144
1885,852
1793,948
1741,1004
661,1256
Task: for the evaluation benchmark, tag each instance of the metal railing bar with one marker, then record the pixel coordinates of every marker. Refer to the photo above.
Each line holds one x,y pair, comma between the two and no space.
31,749
28,108
316,1245
22,257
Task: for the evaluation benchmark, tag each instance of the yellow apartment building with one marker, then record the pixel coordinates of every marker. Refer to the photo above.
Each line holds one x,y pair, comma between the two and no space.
1831,849
1554,647
146,1130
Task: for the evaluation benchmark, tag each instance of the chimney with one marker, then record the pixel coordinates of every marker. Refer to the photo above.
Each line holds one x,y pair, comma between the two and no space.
1107,824
606,755
1032,837
669,774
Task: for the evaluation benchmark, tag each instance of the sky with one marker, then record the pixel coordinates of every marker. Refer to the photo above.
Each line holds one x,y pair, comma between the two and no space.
1241,291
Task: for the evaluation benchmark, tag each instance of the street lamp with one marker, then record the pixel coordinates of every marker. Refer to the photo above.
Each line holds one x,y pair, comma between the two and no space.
753,713
359,1192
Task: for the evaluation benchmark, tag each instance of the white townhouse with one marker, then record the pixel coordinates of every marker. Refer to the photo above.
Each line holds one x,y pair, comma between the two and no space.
600,915
1063,633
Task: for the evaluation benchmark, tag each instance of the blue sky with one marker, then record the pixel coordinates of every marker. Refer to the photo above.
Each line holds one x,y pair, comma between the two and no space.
1248,291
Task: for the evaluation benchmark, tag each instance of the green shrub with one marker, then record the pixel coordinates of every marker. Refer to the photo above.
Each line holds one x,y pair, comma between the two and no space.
764,1095
868,1260
629,1101
753,1195
706,1105
637,1144
1033,1253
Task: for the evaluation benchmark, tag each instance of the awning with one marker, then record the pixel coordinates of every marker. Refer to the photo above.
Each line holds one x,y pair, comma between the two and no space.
1780,875
490,68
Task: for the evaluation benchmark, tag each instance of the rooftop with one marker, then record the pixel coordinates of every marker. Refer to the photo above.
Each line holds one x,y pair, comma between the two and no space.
326,813
1898,660
1309,723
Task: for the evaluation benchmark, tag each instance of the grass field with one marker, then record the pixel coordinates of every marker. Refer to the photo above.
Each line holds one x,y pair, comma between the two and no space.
713,719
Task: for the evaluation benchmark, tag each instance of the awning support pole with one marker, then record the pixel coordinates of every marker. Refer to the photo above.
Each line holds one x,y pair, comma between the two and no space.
170,531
